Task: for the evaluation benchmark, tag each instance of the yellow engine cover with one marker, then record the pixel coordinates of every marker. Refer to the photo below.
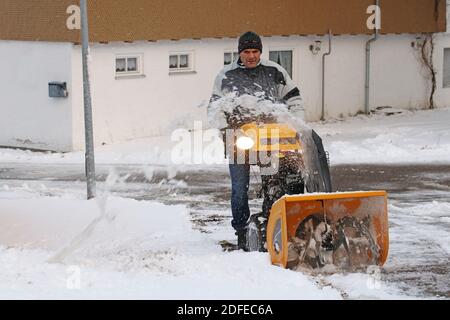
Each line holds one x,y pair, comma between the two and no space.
272,137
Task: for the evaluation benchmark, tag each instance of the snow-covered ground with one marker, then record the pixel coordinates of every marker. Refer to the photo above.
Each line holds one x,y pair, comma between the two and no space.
64,247
407,137
55,244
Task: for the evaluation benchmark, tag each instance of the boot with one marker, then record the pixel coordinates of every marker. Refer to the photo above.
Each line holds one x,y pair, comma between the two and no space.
242,239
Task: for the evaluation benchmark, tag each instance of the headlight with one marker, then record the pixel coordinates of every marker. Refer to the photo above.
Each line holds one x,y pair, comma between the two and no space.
245,143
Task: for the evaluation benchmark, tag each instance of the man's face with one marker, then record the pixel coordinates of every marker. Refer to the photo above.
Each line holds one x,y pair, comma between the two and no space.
250,57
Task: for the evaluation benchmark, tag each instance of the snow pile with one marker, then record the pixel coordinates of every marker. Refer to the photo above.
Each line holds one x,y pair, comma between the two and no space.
154,151
364,286
410,137
121,248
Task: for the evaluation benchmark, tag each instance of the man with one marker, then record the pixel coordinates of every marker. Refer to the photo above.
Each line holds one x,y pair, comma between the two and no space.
249,75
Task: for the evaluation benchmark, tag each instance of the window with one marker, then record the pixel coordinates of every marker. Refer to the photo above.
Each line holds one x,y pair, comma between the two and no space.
181,62
129,65
229,57
446,81
283,58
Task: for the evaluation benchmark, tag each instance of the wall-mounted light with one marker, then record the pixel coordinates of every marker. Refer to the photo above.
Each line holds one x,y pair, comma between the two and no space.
418,43
316,47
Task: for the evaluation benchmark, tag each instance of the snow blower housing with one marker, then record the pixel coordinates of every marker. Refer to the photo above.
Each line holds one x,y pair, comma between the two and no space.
348,231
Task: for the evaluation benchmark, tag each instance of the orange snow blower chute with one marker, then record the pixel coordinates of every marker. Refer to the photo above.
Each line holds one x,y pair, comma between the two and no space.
347,230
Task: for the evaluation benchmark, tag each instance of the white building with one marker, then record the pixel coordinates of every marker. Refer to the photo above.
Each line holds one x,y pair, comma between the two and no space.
169,82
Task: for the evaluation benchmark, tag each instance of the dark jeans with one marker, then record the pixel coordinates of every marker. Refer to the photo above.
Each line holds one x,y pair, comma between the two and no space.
240,178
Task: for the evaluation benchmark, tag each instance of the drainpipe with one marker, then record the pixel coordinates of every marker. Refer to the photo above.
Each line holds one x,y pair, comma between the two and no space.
368,43
323,74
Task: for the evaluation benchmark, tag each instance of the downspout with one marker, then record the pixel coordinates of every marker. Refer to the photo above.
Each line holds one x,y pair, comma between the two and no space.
323,74
368,43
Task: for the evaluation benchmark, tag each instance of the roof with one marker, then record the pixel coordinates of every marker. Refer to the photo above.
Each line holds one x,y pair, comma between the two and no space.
133,20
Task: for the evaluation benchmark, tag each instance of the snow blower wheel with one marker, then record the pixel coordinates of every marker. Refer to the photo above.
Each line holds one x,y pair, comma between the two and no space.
256,233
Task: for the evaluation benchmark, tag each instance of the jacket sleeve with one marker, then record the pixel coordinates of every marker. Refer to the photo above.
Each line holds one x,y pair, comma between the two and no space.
295,103
216,116
289,93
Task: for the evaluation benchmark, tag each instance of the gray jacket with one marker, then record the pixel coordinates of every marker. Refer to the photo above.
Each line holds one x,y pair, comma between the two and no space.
268,81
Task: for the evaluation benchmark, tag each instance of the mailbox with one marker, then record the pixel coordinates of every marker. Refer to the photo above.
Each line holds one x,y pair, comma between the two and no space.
57,90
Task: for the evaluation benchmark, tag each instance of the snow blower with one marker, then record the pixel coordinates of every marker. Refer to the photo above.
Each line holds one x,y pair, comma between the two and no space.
303,223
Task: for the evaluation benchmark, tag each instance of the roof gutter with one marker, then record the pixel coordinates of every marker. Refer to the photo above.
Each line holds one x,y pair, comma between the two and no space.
368,43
